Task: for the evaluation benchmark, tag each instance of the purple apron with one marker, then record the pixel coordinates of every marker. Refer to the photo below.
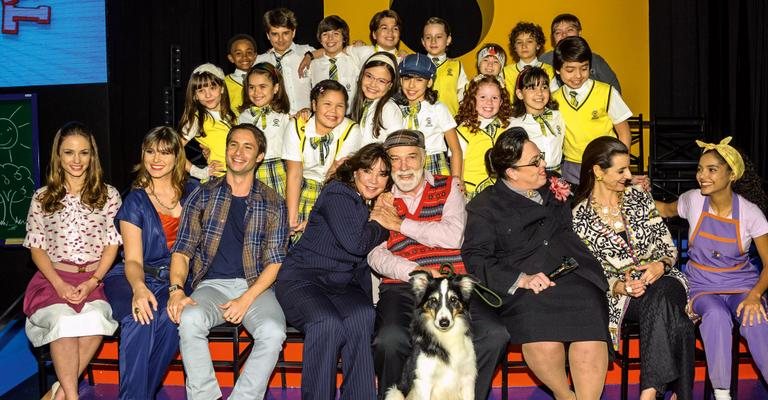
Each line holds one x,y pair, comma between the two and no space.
717,262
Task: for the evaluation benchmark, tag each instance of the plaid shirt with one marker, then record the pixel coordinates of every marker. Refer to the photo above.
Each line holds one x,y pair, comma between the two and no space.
202,224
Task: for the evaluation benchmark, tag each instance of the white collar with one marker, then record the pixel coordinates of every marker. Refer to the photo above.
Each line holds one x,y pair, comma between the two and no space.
521,64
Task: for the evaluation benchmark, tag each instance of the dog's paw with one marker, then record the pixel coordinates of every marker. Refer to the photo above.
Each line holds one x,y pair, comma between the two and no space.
394,393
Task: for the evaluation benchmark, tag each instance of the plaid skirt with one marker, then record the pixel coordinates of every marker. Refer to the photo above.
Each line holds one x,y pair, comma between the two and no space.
272,173
437,164
310,190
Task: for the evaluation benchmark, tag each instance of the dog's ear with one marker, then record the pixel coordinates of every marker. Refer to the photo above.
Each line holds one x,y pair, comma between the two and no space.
419,282
466,283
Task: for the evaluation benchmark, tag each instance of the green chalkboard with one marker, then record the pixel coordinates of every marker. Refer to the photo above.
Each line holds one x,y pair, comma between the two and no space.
19,164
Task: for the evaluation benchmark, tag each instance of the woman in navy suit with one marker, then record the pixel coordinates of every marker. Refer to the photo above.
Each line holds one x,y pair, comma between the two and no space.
324,285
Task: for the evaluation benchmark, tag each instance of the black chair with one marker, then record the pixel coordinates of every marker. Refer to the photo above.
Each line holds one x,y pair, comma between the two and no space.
507,365
637,161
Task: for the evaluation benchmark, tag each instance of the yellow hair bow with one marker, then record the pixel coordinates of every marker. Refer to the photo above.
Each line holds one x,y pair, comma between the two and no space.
731,156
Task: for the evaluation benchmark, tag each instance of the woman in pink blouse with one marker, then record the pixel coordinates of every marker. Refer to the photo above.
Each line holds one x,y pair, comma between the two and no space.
73,241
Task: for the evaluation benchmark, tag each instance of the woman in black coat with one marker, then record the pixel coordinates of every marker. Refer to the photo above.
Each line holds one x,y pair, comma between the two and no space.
519,231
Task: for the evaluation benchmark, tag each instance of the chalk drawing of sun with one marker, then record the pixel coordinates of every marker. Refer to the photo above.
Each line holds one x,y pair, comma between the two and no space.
9,134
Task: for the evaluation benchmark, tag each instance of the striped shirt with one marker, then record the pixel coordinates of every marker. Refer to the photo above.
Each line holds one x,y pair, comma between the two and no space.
205,215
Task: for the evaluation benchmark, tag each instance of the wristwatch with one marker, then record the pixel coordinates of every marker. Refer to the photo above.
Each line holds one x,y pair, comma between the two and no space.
173,288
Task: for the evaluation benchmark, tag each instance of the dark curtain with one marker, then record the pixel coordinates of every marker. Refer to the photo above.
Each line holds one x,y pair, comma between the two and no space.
710,59
139,39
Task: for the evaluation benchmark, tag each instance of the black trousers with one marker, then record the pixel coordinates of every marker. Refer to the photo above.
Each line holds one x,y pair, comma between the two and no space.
392,339
667,338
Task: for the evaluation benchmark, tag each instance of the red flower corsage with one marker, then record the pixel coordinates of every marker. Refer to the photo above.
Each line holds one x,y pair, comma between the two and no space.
560,188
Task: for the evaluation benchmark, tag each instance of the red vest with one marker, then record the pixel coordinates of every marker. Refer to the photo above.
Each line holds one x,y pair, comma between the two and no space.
430,209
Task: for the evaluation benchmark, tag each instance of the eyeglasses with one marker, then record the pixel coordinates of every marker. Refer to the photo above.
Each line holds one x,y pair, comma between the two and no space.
380,81
534,162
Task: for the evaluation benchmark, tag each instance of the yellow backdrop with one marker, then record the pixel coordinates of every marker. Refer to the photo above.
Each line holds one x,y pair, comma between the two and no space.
617,30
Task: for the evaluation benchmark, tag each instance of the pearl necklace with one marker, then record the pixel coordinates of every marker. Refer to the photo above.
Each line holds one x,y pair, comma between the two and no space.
610,215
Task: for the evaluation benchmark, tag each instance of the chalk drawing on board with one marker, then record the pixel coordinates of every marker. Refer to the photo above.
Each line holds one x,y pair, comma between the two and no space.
9,134
19,174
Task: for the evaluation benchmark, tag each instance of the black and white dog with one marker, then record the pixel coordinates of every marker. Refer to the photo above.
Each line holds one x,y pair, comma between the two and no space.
442,365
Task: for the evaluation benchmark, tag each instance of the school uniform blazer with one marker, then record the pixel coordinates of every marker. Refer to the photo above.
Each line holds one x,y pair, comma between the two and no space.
507,234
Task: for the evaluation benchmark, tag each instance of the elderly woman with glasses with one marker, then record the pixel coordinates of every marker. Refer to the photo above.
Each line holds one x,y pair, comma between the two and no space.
519,242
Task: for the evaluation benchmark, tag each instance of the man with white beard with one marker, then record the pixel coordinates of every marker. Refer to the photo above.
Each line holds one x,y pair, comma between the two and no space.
425,216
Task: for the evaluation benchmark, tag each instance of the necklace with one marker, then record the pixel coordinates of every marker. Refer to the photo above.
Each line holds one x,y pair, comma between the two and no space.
610,215
157,199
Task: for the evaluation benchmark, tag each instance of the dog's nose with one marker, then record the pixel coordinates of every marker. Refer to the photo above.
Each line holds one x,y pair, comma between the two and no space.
444,322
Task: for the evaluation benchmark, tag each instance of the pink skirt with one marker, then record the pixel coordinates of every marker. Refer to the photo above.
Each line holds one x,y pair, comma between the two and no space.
40,292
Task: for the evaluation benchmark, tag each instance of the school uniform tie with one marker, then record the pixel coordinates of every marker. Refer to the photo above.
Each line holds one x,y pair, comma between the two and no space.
436,61
324,143
366,106
492,128
543,119
260,114
279,59
574,101
412,114
333,71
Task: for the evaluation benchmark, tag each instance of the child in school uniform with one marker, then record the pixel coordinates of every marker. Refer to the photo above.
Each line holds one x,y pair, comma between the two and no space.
207,118
280,25
534,110
313,149
335,63
373,107
526,43
590,108
423,112
384,35
242,53
483,116
450,79
491,59
266,106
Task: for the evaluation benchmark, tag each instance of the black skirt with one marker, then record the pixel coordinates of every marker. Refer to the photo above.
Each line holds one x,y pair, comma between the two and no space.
573,310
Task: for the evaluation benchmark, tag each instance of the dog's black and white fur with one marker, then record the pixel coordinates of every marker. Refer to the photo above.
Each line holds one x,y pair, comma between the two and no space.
442,365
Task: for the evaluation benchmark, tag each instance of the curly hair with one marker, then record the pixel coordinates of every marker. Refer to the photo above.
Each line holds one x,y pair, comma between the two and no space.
530,28
94,192
467,114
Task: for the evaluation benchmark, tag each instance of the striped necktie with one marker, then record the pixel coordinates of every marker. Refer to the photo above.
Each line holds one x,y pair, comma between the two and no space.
574,101
413,115
260,113
436,61
366,106
333,71
279,59
492,127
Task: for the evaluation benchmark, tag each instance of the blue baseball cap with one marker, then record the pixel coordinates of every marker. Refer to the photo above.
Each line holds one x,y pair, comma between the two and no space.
417,65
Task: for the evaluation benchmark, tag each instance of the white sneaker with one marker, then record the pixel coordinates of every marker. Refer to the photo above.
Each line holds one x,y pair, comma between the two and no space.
722,394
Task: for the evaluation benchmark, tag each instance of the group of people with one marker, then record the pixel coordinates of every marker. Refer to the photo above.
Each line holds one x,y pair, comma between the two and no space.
323,189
